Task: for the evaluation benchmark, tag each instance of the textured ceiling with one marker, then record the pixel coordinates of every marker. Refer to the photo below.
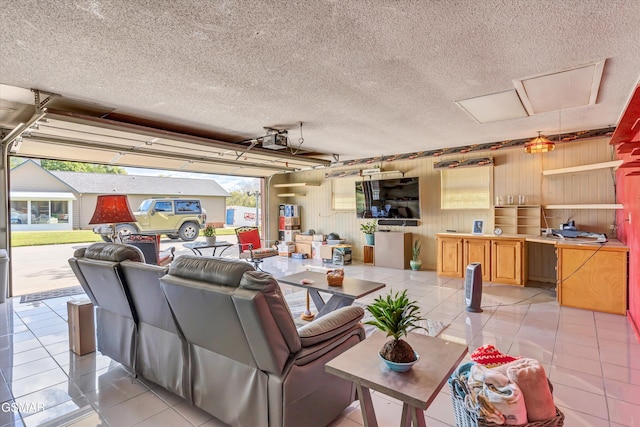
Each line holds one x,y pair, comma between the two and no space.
367,78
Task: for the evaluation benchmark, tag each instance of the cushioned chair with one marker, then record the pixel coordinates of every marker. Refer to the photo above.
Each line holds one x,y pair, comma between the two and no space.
150,247
98,271
250,246
249,364
161,350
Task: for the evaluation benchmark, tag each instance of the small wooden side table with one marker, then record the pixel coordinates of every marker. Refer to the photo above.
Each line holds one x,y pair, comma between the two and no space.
416,388
369,254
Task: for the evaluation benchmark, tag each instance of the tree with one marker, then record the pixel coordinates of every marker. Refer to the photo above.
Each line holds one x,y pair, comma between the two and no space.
15,161
59,165
240,198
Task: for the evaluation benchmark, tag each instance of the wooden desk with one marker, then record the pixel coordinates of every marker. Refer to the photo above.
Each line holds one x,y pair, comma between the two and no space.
341,296
416,388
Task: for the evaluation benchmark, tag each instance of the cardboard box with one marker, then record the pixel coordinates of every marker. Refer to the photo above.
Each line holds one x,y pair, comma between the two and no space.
288,235
304,238
291,210
315,249
304,248
326,252
82,330
346,253
293,220
286,249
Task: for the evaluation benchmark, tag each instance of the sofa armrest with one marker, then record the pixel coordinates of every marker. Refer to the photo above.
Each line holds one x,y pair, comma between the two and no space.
330,325
332,333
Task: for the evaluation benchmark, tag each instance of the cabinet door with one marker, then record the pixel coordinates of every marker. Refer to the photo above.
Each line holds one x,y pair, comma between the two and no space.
450,262
506,262
593,279
479,250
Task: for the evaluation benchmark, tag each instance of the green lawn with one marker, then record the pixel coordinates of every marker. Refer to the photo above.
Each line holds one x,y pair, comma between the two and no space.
37,238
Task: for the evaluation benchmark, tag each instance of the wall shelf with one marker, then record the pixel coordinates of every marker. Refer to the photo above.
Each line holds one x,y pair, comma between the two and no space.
518,219
290,195
584,168
593,206
297,184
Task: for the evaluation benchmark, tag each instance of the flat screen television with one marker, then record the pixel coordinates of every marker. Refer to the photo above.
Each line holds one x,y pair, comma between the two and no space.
388,198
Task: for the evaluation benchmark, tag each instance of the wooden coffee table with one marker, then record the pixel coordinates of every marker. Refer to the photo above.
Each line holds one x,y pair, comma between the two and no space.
341,296
416,388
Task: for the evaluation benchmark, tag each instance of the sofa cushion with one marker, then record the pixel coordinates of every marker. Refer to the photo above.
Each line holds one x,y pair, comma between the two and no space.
113,252
269,287
219,271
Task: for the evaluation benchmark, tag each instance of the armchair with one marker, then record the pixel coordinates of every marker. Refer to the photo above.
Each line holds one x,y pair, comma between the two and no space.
250,247
245,350
150,247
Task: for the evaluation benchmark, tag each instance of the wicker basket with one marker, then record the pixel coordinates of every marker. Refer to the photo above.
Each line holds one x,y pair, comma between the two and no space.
465,418
335,277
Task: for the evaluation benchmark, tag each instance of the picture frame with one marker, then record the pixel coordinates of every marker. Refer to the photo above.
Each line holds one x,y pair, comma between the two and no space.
478,226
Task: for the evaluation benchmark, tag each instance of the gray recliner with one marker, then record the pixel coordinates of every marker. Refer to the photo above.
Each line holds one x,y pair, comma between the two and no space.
161,349
98,271
250,366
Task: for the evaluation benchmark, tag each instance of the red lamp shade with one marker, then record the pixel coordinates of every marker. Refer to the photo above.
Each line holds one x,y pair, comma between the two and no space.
112,209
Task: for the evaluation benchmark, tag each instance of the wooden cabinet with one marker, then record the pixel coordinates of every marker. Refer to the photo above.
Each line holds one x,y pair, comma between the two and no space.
393,249
450,261
502,258
368,254
593,277
479,250
507,261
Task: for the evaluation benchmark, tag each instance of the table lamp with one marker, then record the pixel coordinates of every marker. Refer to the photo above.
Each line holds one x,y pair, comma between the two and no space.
112,209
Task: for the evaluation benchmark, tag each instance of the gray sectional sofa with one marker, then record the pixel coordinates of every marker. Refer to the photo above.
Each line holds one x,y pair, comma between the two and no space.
219,334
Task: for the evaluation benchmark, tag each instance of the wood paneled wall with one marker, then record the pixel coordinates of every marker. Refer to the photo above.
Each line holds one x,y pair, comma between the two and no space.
515,172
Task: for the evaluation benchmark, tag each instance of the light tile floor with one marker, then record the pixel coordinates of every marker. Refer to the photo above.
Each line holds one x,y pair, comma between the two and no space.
592,359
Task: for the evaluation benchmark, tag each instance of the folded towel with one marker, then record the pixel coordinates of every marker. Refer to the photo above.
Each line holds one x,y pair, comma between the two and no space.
495,397
490,356
530,376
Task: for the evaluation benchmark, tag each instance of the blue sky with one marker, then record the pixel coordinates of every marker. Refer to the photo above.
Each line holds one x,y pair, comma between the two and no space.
229,183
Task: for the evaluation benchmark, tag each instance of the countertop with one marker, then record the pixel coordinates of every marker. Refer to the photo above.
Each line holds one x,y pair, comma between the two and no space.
549,240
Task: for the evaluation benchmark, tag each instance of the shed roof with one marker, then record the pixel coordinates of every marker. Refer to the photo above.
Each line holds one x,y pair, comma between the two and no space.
97,183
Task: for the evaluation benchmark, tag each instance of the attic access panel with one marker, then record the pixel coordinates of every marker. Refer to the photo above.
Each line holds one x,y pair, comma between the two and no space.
575,87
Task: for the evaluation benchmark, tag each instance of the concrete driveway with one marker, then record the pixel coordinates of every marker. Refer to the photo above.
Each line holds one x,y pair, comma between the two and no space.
43,268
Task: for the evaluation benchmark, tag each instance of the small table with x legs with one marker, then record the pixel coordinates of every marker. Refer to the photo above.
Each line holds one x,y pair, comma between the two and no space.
341,296
416,389
197,246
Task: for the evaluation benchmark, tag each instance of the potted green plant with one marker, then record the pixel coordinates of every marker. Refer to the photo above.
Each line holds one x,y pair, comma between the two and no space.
416,262
396,316
368,228
210,233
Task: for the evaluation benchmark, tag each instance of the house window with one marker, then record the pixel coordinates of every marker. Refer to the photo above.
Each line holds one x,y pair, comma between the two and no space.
19,212
60,211
40,210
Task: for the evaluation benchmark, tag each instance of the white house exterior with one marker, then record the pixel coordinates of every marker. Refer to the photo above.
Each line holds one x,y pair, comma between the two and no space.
59,200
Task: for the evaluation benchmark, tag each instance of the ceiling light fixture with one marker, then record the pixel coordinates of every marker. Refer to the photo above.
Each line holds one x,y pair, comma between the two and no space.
540,144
